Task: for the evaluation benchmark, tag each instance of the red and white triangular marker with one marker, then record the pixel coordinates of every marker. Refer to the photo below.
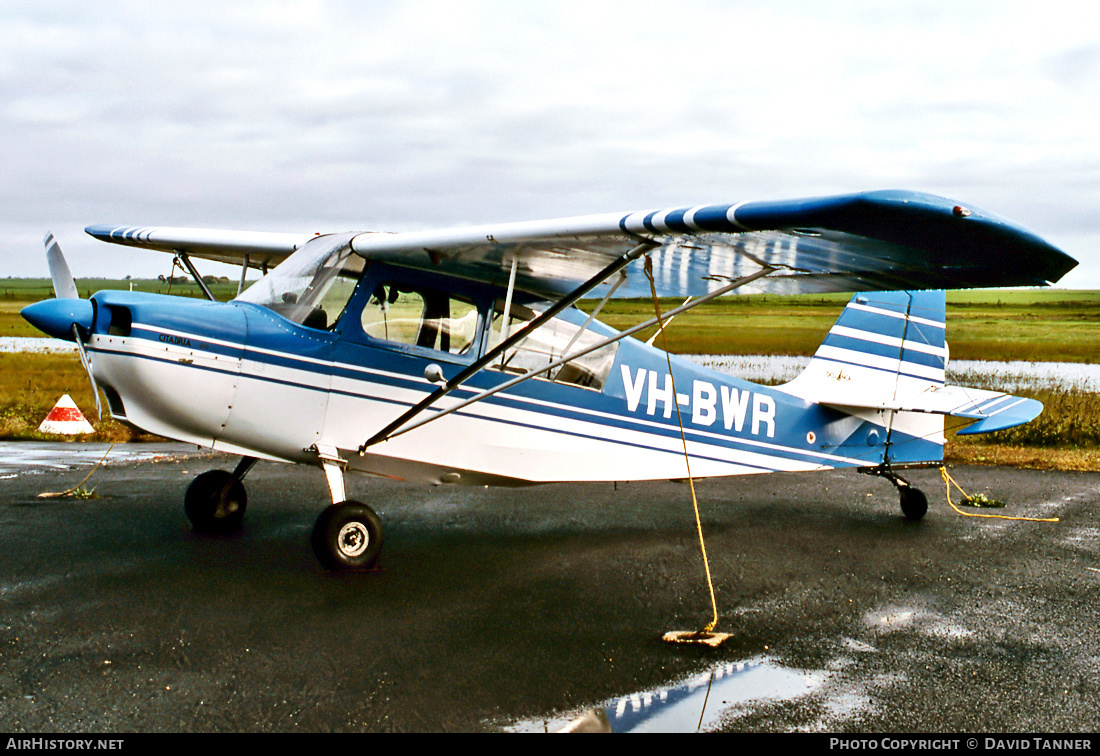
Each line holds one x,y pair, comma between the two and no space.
66,418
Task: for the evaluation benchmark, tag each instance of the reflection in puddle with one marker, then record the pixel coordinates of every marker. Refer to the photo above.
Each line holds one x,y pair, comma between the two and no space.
20,457
695,704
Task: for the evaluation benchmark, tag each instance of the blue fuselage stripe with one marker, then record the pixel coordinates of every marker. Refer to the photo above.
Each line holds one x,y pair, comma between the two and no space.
731,443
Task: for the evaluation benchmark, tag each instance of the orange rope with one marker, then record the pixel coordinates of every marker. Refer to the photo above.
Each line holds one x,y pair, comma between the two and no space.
948,480
683,439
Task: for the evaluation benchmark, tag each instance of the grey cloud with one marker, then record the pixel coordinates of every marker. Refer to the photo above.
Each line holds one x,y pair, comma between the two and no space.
413,115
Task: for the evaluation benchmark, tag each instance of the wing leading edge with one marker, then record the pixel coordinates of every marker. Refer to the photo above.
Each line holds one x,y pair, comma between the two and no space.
857,242
261,249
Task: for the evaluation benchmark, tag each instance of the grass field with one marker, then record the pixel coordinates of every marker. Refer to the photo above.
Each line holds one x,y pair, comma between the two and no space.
1037,325
30,384
17,293
1022,324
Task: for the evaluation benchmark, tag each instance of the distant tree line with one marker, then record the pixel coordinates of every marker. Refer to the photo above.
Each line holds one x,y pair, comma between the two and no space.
185,279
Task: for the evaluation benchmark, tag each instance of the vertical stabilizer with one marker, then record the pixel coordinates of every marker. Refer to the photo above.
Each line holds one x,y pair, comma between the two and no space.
885,346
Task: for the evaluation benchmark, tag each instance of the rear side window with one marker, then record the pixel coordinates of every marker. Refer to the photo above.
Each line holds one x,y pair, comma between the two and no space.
549,343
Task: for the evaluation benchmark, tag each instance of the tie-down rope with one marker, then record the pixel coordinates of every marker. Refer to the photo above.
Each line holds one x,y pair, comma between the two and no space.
648,267
948,481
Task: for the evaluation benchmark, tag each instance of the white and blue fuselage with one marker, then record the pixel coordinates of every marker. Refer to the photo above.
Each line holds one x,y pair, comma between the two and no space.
241,378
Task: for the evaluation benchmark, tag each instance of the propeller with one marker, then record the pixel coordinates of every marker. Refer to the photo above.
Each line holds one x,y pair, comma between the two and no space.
68,316
64,287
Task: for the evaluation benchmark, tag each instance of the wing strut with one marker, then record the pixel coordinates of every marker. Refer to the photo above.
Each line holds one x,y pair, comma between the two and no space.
611,340
244,272
186,260
621,262
508,300
595,312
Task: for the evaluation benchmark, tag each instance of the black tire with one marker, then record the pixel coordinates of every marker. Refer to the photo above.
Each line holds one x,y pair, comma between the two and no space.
215,502
914,504
347,536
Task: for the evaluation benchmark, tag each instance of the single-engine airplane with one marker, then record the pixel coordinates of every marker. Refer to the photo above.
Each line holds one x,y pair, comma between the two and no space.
459,357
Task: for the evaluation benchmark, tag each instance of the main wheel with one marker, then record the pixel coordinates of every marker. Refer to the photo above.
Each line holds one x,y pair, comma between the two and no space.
347,536
215,502
914,504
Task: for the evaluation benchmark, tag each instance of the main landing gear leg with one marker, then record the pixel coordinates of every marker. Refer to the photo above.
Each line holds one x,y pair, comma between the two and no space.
348,533
216,500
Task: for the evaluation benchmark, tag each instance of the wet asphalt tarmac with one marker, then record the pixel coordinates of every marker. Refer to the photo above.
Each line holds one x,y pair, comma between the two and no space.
497,609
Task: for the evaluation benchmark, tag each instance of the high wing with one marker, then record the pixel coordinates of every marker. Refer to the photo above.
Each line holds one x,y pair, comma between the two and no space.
257,249
857,242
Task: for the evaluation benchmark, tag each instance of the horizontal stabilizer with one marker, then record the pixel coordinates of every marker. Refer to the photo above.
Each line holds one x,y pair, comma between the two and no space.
993,410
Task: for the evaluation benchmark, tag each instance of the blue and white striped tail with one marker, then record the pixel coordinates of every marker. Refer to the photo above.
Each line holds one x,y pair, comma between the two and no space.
887,353
885,346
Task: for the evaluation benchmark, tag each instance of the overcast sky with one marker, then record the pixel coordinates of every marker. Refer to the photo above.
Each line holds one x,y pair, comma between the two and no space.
328,116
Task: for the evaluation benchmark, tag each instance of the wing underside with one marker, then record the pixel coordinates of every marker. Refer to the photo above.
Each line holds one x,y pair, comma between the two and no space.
257,249
859,242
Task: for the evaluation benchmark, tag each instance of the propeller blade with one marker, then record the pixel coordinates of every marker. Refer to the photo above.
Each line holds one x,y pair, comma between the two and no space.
78,337
64,287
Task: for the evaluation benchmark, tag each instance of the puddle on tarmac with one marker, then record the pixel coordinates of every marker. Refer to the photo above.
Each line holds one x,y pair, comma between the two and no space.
21,457
697,704
914,618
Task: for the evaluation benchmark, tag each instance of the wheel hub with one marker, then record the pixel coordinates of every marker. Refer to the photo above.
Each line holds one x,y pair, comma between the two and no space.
353,539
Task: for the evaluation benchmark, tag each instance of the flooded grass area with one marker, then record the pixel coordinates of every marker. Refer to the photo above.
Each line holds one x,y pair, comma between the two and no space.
1014,376
1051,325
1016,324
9,344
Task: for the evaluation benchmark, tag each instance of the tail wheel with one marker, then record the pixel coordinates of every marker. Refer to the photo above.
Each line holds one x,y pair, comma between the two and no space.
914,504
215,502
347,536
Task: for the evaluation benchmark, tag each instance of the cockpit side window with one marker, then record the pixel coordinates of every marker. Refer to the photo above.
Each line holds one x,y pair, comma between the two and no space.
417,316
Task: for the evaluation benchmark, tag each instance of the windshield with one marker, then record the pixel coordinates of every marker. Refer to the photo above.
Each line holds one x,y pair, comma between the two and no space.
313,285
